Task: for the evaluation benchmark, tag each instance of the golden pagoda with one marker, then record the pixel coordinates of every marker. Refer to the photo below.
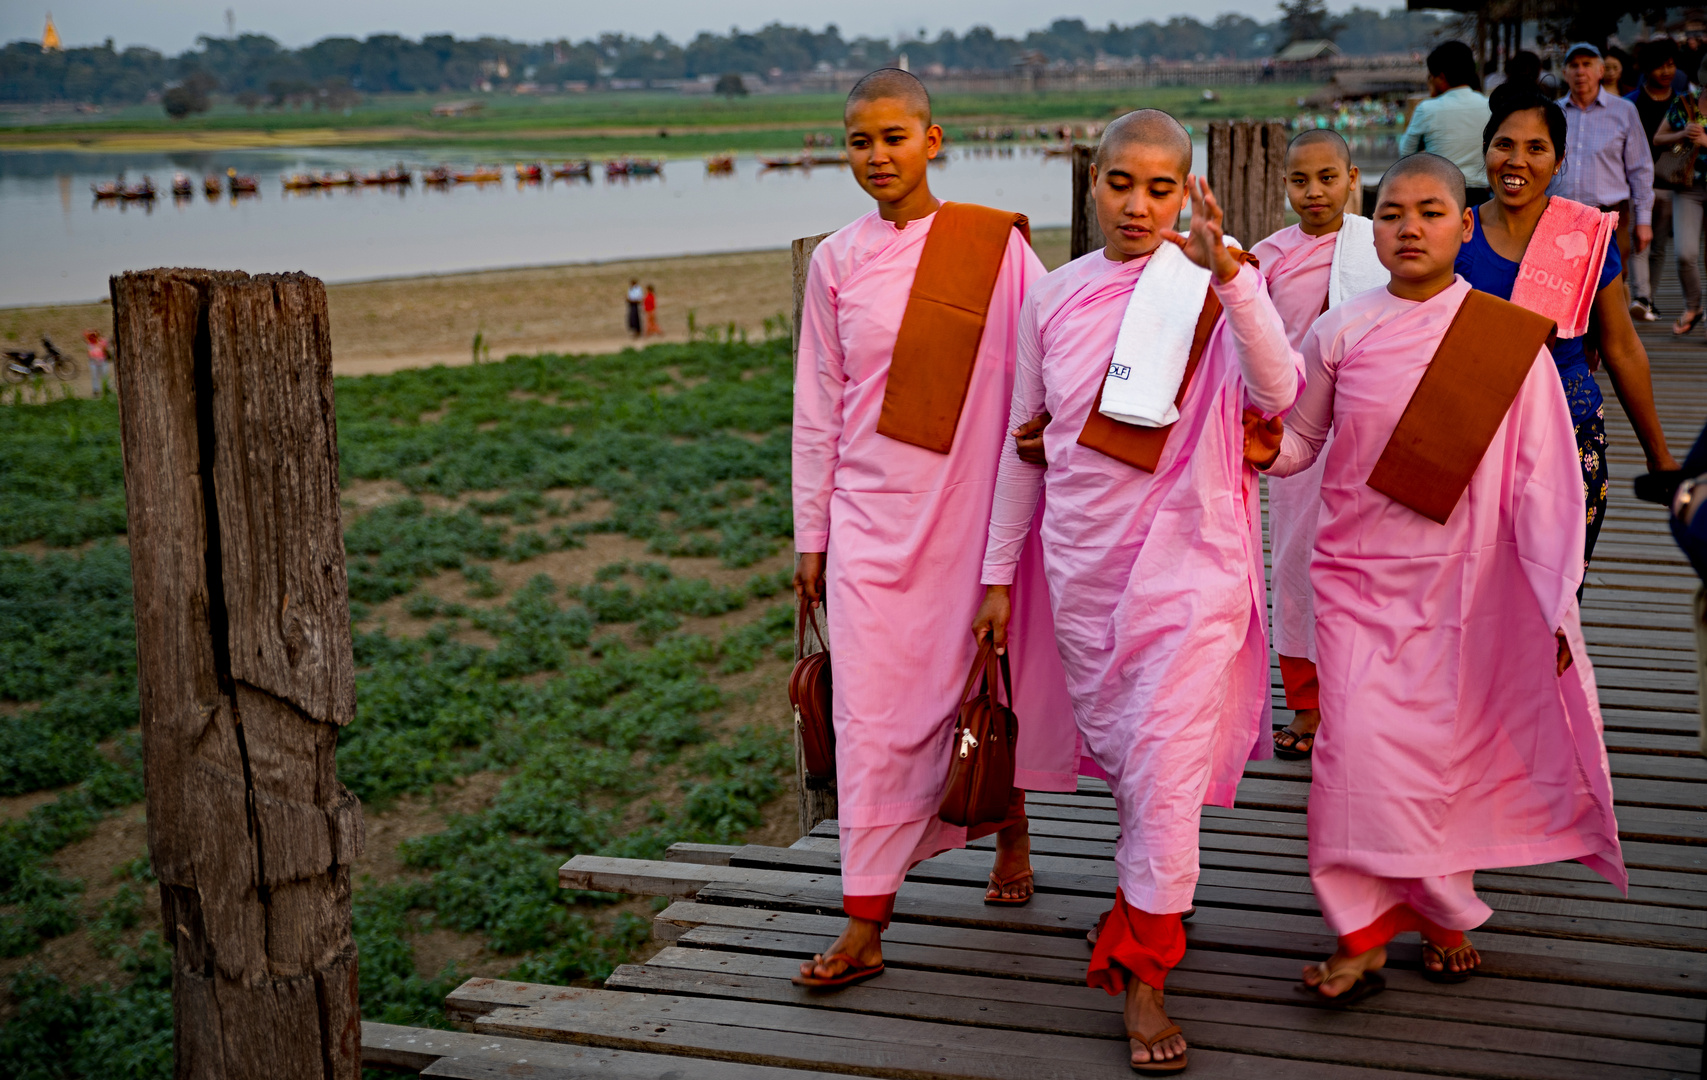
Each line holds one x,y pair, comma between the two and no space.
50,36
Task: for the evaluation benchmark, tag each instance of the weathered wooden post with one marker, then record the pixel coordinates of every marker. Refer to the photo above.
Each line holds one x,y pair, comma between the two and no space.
244,665
817,800
1087,234
1247,169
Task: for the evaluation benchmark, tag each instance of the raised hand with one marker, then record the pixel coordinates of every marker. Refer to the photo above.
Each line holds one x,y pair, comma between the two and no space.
1206,245
1028,439
1262,439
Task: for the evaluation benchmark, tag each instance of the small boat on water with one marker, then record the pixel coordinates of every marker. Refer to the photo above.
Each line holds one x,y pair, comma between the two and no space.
645,168
828,159
339,179
302,182
1063,150
242,185
397,175
480,174
572,170
213,184
720,164
144,191
182,186
529,174
438,177
804,161
111,189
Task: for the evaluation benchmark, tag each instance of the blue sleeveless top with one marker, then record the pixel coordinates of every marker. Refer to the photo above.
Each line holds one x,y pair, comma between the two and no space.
1487,270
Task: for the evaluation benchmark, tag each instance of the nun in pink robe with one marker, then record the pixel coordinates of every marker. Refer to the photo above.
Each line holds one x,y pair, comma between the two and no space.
902,528
1296,266
1448,743
1156,580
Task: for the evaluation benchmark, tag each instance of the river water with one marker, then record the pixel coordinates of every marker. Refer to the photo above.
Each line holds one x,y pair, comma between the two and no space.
60,244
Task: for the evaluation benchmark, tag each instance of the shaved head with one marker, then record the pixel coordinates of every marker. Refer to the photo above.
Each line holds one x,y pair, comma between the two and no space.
1430,165
891,84
1148,127
1319,137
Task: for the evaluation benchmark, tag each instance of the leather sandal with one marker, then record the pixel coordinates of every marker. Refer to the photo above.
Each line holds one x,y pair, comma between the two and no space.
997,884
1367,985
1295,750
852,973
1154,1067
1446,974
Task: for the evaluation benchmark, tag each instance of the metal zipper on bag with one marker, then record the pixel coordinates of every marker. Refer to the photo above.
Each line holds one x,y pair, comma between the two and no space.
967,742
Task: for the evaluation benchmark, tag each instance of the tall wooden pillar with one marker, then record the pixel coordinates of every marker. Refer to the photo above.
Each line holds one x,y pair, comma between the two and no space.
1247,170
817,799
1087,234
244,665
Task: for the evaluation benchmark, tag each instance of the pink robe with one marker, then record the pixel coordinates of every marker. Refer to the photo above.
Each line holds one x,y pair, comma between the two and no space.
1156,578
1296,267
901,527
1447,744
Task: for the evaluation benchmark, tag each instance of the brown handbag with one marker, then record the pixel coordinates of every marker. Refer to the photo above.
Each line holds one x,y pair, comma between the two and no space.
809,693
1674,165
981,757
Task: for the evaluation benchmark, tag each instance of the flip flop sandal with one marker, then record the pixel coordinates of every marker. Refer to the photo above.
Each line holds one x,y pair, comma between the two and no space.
1292,753
998,884
1445,974
851,974
1368,984
1685,323
1158,1068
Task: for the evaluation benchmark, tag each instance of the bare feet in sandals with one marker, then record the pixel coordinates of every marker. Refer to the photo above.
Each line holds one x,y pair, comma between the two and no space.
851,957
1011,877
1157,1045
1347,977
1450,965
1298,738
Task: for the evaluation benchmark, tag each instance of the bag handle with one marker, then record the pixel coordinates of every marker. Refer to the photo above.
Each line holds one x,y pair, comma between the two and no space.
806,615
985,664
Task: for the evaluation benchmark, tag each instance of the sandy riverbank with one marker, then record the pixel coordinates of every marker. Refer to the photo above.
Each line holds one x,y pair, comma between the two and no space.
396,323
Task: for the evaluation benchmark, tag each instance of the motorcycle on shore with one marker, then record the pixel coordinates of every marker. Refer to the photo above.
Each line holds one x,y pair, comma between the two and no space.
22,364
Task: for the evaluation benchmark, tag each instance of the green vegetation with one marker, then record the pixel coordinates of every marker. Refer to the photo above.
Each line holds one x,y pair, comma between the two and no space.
599,723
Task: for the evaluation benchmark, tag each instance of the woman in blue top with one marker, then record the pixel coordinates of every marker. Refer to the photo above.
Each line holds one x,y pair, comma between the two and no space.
1524,145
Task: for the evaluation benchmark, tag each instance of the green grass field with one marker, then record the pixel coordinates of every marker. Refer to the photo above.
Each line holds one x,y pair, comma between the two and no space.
627,122
611,712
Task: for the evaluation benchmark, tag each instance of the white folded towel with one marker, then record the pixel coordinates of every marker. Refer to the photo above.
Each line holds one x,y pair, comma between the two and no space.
1355,269
1154,343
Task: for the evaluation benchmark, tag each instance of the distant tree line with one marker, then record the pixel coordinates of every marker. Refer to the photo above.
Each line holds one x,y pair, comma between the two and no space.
258,72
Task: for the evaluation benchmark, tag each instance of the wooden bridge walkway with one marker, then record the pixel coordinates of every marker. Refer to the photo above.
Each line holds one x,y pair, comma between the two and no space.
1577,982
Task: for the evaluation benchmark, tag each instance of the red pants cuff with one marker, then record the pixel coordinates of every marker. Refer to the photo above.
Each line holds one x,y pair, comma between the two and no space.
1135,944
877,909
1394,921
1298,675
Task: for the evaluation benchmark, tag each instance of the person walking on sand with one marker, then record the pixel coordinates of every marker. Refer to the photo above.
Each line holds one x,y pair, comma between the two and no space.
98,348
636,296
651,305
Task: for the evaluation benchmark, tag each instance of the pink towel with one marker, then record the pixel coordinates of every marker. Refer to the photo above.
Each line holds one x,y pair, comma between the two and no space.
1561,267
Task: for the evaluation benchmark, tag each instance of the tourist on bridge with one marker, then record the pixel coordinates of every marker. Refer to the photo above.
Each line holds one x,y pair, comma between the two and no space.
1151,531
1461,729
899,412
1317,264
1514,252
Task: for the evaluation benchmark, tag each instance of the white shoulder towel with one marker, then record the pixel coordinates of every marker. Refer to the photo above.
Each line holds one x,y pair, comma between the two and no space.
1355,268
1154,343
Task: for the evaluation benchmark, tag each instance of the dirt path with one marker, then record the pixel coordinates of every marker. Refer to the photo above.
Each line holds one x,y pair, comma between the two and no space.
397,323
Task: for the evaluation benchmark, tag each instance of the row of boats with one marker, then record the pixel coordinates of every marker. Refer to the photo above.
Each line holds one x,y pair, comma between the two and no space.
524,172
803,161
182,187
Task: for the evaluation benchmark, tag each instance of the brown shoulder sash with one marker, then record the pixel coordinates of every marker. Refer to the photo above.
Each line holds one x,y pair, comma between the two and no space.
1141,447
1452,416
938,344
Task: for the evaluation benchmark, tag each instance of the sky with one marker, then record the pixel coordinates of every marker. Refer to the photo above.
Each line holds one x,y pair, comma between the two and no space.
172,26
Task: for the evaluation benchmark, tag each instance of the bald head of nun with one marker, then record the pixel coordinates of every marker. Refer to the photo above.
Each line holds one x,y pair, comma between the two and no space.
1145,127
1321,137
1428,165
891,84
